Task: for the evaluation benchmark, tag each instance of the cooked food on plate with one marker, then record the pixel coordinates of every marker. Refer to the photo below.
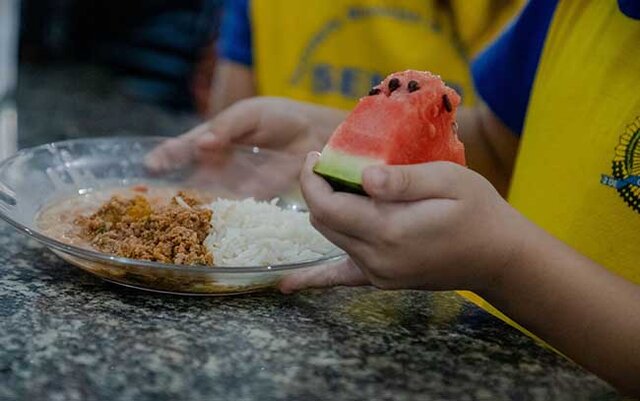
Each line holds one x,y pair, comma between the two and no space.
184,228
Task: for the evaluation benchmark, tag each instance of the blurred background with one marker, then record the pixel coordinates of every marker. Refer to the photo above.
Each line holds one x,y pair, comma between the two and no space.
83,68
155,44
95,68
8,76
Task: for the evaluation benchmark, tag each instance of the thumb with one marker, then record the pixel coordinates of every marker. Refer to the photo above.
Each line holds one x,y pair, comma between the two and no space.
232,124
344,273
414,182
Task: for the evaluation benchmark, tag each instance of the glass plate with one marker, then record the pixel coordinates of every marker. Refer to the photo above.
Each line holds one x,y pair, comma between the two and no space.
35,178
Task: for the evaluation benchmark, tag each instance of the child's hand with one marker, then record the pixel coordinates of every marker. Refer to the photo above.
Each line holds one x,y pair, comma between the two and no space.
437,226
270,122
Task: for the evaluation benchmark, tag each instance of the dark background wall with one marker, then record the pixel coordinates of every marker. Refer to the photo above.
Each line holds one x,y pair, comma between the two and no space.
162,48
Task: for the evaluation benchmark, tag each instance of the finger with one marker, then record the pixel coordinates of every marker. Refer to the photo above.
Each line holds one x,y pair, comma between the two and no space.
349,214
349,244
232,125
174,150
345,273
415,182
269,180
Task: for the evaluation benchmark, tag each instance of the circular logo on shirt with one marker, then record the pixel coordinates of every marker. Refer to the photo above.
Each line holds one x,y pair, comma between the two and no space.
625,167
339,58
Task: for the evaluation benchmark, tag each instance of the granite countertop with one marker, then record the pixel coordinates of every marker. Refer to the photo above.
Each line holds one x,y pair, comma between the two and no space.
66,335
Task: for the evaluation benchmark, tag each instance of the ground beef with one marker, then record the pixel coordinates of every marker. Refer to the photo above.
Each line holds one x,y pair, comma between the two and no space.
140,229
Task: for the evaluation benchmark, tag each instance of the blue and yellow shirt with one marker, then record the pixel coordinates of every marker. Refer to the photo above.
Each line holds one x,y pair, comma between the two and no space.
332,52
565,77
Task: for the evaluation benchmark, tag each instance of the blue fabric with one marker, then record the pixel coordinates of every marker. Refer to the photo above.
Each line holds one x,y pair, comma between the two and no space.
503,74
630,8
234,41
159,49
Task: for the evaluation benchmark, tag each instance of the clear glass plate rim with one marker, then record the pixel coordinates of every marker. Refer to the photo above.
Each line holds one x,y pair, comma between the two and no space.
111,259
151,138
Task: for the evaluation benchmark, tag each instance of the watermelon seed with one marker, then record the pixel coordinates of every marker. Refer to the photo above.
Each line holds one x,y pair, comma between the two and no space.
394,84
447,103
374,91
413,86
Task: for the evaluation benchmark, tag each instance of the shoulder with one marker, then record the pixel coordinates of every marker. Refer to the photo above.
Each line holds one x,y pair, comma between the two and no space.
504,72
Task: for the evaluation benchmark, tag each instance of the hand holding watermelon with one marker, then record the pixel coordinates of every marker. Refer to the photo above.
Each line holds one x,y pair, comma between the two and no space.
436,226
400,147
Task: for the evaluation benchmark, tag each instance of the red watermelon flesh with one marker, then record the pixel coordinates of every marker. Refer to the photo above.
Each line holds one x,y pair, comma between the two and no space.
408,118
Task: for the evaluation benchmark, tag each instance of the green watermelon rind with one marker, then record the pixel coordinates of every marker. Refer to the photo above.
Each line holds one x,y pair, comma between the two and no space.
339,185
343,171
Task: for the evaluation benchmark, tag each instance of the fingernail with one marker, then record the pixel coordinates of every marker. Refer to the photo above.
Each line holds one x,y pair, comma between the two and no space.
313,157
377,177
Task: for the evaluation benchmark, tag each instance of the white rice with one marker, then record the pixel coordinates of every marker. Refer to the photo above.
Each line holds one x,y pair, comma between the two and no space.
250,233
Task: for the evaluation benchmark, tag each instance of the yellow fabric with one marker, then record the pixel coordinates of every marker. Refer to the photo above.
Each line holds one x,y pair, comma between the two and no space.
582,135
585,102
479,301
333,52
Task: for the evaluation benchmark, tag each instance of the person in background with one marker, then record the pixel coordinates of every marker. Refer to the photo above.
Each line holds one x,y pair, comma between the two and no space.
163,49
159,46
561,258
331,52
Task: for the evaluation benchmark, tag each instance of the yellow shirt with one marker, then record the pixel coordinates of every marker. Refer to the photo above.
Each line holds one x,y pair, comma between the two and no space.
333,52
578,169
582,126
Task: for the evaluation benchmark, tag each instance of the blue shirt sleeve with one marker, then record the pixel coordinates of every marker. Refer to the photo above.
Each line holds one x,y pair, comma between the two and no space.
630,8
234,41
503,73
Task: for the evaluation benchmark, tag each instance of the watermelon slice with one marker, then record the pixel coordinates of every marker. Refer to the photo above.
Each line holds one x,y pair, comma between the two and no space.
408,118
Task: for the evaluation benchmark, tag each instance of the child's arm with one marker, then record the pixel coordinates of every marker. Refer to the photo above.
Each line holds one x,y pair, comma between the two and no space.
440,226
490,146
231,82
585,311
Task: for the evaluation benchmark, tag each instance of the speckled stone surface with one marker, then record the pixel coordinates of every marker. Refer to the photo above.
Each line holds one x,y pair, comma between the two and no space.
65,335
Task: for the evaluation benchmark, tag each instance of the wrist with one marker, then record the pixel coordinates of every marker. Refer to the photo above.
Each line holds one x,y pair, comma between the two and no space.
516,243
